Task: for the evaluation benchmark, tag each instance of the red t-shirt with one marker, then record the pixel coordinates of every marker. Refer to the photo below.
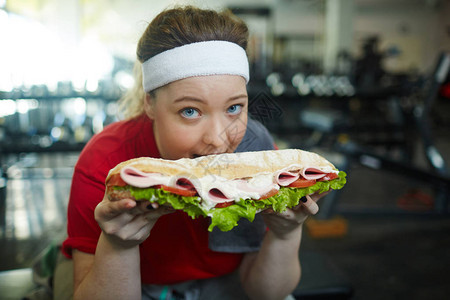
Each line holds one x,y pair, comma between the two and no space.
177,249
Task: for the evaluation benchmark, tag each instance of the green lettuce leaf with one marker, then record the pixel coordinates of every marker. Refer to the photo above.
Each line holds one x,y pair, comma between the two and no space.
226,218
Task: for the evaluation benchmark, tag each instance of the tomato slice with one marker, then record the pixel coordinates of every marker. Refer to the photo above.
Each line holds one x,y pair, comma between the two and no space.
116,180
178,191
224,204
329,176
269,194
302,183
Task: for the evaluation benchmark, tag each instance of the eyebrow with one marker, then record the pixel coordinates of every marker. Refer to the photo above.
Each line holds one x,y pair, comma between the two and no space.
184,98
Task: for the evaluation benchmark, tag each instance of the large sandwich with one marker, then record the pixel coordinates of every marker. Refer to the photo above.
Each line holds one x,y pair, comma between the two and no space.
226,187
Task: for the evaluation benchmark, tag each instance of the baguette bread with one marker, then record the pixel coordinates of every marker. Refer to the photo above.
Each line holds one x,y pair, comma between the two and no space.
229,165
225,187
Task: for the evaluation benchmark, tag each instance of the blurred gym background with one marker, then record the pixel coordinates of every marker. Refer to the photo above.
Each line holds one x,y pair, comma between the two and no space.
363,82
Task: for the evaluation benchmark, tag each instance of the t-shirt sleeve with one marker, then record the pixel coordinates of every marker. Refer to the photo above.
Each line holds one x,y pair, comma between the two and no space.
86,192
118,142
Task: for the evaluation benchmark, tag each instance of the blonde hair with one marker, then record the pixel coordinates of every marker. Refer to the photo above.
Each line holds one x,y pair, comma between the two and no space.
131,105
174,28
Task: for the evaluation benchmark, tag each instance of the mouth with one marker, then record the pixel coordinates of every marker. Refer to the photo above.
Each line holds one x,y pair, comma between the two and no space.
206,154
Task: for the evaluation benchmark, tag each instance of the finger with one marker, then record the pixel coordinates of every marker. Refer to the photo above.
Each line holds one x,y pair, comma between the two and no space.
152,205
316,196
129,230
109,209
288,214
143,207
142,222
268,211
154,214
144,232
310,205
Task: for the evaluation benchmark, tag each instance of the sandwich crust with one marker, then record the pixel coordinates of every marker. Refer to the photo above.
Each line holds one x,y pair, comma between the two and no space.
228,165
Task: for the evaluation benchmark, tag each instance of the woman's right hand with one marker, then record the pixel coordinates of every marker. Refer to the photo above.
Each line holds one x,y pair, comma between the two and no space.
127,223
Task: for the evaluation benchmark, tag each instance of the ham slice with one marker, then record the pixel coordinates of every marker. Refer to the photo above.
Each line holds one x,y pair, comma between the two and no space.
285,178
260,189
184,183
216,195
137,178
311,173
235,189
219,190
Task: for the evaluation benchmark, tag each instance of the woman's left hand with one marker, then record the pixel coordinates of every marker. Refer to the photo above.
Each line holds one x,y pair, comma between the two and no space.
284,223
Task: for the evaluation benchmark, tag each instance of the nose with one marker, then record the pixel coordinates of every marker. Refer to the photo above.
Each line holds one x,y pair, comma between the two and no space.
216,135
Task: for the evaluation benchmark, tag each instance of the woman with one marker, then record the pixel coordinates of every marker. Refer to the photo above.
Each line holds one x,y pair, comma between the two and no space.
194,76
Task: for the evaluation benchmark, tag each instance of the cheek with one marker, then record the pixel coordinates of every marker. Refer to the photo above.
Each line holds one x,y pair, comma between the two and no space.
236,131
177,140
181,134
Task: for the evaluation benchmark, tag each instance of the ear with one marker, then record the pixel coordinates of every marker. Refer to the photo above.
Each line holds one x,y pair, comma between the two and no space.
149,106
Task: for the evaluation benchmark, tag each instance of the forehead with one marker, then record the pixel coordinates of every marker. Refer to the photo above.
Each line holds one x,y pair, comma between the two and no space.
221,86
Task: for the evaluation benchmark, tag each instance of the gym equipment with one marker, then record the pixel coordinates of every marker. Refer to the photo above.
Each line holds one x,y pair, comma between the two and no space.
331,124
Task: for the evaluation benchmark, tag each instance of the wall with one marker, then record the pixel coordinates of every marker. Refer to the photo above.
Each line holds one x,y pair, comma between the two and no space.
415,31
419,28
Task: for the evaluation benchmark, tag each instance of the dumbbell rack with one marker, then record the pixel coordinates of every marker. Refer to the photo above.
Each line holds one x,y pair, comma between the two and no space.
26,136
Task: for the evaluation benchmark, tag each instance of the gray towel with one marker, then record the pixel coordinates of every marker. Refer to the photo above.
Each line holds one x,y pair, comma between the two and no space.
247,236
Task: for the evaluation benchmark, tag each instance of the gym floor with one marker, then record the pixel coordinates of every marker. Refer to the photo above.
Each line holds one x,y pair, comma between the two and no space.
389,251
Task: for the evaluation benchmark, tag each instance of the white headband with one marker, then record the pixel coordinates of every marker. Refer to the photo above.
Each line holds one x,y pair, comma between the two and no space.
196,59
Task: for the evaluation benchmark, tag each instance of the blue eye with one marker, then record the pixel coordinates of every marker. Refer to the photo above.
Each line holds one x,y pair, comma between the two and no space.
190,113
235,109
